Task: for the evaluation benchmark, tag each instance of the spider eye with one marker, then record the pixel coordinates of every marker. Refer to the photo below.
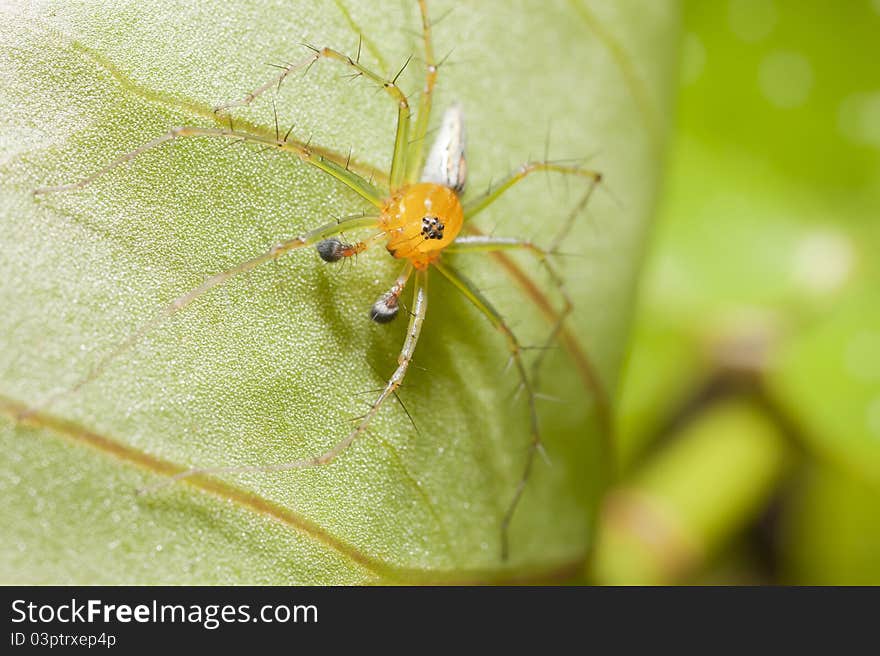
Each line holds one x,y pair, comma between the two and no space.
330,250
432,228
385,309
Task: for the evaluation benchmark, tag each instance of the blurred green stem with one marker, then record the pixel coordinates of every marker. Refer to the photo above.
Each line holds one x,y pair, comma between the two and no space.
666,519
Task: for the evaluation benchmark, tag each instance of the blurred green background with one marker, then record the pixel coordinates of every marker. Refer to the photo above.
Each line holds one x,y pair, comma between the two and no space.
749,415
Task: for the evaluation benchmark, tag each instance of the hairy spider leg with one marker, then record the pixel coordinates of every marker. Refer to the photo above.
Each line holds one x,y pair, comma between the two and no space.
558,282
338,248
423,118
350,179
492,244
474,295
489,243
476,205
586,369
307,239
473,207
253,94
401,141
417,318
388,304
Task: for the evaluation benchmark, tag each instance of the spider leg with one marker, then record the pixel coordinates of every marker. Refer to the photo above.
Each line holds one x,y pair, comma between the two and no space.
467,288
350,179
417,318
490,244
478,204
335,248
387,306
591,379
309,238
401,141
414,163
252,95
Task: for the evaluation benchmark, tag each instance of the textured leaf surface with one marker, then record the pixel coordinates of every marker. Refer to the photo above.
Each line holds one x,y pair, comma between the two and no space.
270,367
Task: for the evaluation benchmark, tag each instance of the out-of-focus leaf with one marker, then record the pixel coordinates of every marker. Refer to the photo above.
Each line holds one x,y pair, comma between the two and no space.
764,257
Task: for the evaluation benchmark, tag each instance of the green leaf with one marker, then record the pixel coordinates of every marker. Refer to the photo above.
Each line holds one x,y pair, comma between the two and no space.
270,367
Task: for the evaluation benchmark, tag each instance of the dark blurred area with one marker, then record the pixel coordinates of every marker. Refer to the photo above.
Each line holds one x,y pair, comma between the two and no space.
749,416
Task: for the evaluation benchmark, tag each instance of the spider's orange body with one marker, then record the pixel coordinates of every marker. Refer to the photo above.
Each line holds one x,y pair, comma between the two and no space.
421,220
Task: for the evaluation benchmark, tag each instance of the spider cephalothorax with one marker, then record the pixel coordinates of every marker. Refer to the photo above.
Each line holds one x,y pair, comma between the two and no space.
420,221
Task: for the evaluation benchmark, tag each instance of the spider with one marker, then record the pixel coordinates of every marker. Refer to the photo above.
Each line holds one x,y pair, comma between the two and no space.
419,214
